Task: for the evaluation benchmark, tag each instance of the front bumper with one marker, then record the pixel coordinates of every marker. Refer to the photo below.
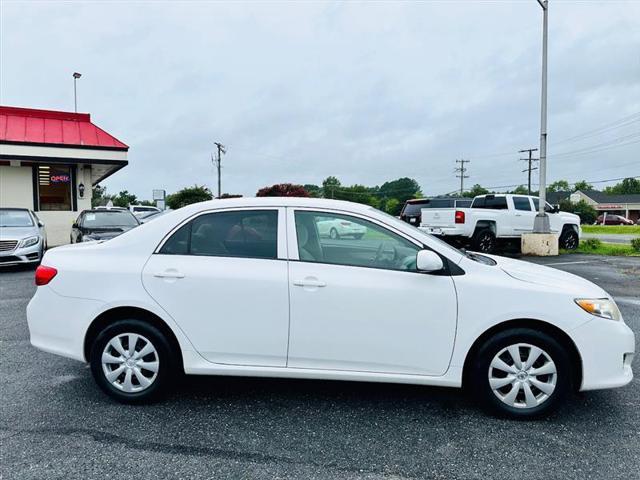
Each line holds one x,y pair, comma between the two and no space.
607,348
19,256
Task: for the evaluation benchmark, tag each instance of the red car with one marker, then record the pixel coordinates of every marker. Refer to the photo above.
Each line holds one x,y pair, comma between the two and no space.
613,220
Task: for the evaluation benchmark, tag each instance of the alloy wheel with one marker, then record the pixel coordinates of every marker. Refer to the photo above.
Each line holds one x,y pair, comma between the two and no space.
522,376
130,362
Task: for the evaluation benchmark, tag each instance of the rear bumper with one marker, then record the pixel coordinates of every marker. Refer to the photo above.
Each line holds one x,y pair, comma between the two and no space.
443,231
607,348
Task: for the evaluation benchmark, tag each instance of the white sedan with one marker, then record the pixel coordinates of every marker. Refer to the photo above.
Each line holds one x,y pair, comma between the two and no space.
250,287
335,228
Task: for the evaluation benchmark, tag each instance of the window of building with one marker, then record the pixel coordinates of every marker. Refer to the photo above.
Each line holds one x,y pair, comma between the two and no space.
54,187
522,203
251,234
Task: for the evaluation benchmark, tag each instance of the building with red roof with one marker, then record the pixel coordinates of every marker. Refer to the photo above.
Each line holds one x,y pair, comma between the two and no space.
49,160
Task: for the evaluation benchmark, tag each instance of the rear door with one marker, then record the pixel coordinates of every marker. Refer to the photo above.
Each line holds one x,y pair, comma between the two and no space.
222,276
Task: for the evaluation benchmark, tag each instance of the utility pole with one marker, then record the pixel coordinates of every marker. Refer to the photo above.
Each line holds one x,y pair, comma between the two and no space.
76,76
462,170
218,163
541,221
530,160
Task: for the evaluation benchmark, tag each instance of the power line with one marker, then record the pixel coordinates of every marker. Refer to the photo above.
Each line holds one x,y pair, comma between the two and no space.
461,170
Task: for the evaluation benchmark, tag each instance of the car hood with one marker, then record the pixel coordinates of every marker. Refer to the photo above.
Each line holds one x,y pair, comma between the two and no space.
18,233
550,277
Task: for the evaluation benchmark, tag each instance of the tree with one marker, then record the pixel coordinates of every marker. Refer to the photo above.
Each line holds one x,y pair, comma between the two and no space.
99,196
583,186
558,186
329,186
628,186
313,190
187,196
521,190
476,190
402,189
124,199
586,212
393,206
283,190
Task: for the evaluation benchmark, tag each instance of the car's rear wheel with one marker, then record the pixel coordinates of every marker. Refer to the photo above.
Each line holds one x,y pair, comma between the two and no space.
569,239
484,241
358,236
333,234
132,361
521,373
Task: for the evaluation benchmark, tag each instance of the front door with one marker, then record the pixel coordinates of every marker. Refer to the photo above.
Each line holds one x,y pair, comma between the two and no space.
523,215
223,278
359,304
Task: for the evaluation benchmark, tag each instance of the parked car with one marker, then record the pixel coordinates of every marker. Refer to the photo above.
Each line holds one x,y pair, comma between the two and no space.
412,209
492,217
145,217
248,287
139,209
336,228
101,224
611,219
23,238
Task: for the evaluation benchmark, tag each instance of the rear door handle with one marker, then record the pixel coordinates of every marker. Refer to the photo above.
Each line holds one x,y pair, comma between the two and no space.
309,282
169,274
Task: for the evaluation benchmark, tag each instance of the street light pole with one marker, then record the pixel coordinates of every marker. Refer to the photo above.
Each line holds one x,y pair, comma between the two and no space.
76,76
541,221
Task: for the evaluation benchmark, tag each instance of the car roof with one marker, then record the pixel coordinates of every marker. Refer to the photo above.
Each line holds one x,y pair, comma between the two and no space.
279,202
15,209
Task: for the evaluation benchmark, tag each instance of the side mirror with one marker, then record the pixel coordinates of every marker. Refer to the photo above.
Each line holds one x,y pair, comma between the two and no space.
75,225
556,208
428,261
40,224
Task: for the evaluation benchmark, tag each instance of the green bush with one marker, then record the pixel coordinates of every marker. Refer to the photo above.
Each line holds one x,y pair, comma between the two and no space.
591,243
635,243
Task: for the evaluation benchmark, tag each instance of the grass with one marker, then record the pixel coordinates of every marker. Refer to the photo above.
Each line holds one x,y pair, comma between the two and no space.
613,249
615,229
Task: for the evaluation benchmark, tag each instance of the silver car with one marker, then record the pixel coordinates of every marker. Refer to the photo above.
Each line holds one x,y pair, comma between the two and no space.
23,239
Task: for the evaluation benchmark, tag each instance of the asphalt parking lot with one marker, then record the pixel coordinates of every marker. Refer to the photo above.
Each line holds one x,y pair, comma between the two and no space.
55,423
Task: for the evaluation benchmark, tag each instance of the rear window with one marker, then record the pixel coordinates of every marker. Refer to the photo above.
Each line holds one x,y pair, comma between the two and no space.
109,218
414,208
493,203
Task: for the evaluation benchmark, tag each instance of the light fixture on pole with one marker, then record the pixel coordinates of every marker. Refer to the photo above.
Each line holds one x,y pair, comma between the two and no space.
541,221
76,76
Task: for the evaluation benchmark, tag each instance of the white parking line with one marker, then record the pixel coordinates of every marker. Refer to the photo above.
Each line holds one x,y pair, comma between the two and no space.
630,300
569,263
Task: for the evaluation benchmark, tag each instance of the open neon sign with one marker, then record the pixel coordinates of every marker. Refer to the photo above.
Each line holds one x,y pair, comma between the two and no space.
59,178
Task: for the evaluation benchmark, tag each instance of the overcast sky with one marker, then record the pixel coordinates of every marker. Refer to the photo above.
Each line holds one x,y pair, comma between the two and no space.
367,92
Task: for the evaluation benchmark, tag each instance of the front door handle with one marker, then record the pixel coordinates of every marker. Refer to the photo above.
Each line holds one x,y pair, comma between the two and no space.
309,282
169,274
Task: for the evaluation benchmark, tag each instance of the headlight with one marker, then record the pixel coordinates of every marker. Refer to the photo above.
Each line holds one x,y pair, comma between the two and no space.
28,242
600,307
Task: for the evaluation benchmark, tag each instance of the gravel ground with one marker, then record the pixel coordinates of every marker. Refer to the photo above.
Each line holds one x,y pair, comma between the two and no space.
55,423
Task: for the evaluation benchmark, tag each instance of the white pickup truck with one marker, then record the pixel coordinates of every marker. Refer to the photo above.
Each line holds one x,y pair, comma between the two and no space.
492,217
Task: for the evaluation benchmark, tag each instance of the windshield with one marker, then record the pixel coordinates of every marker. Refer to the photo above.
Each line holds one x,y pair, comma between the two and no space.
15,218
106,219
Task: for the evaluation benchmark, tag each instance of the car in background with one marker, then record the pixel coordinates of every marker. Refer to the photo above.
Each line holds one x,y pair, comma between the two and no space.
610,219
140,209
145,217
23,238
106,207
335,228
102,224
412,210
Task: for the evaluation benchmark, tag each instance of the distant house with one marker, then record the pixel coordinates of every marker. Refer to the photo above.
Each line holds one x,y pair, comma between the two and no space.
625,205
49,160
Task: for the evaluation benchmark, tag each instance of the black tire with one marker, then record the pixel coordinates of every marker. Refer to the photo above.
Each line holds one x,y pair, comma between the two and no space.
333,234
480,372
569,239
484,241
166,369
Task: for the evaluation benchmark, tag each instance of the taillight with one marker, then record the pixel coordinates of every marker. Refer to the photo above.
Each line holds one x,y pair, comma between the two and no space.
45,274
459,216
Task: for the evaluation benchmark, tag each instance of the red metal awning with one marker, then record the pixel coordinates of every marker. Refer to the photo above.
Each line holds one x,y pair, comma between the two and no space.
53,128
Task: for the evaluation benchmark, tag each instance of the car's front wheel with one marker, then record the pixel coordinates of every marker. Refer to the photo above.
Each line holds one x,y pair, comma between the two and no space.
131,361
333,234
521,373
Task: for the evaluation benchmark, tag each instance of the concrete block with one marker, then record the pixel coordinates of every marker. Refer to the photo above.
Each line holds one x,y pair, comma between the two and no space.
539,244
